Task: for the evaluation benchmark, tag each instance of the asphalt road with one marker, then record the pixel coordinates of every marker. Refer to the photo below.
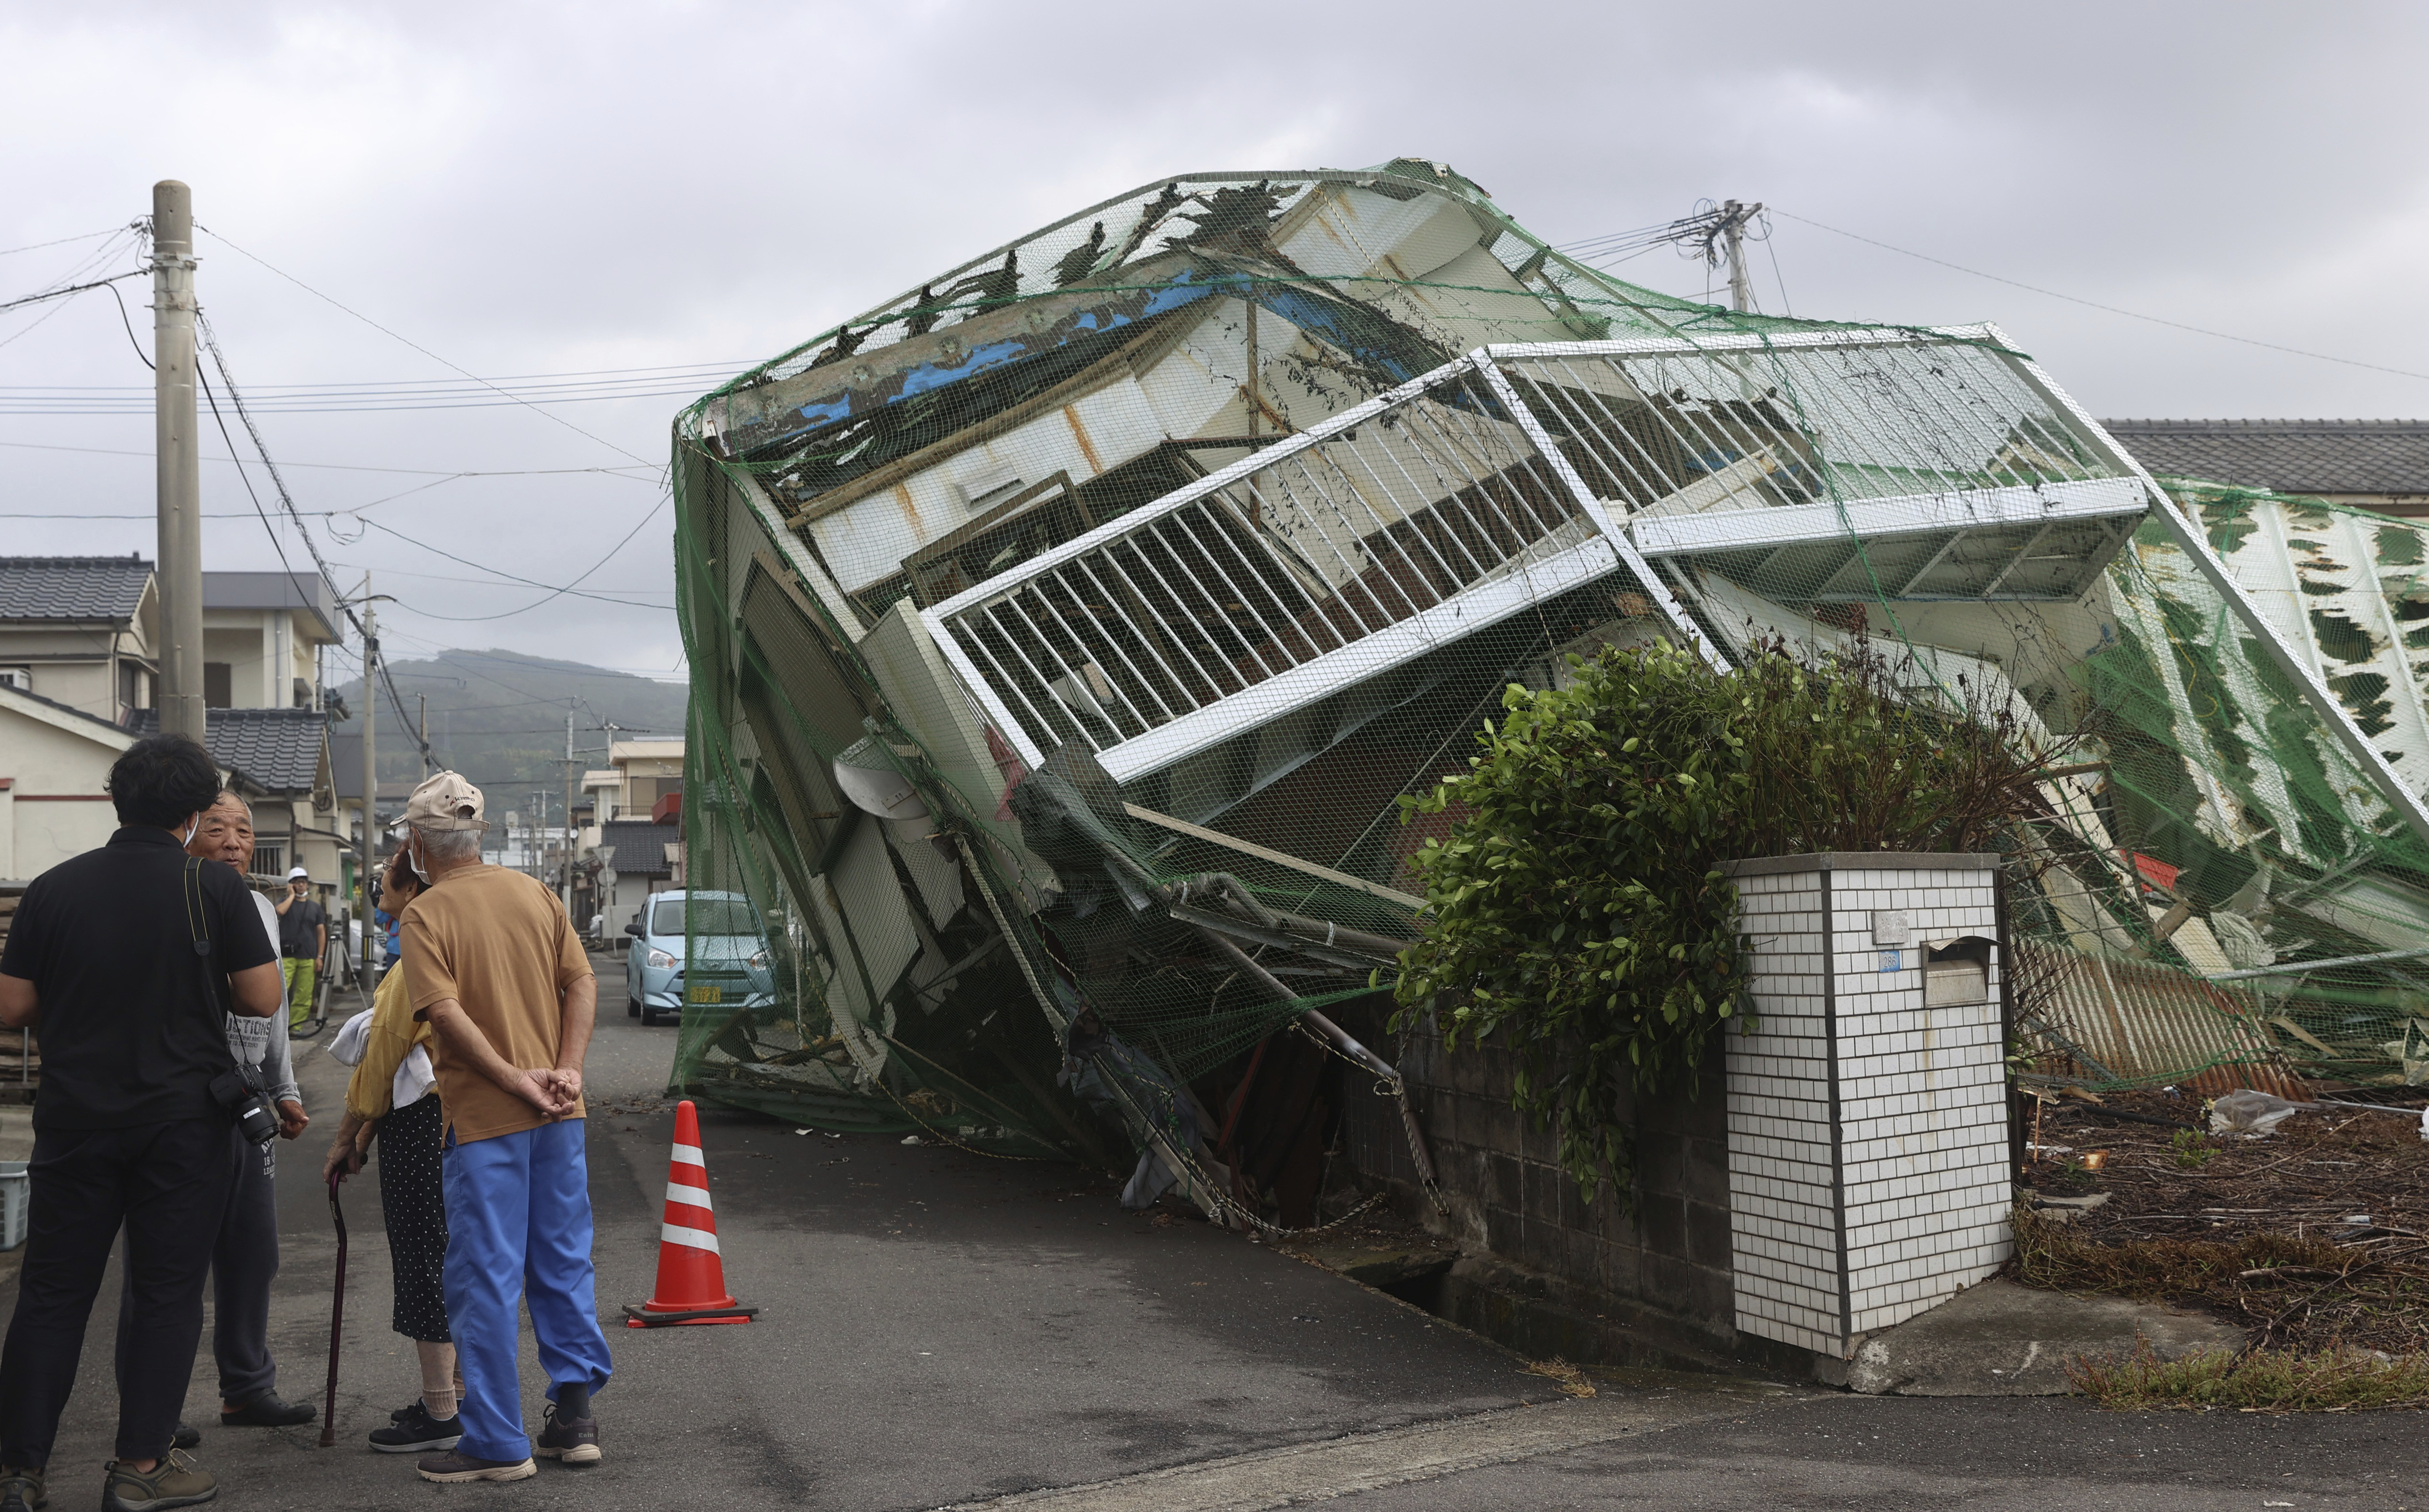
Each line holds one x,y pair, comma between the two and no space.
945,1328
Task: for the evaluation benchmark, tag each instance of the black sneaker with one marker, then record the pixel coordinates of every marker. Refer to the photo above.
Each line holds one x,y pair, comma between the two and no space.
269,1410
573,1441
452,1467
415,1430
20,1490
186,1436
417,1404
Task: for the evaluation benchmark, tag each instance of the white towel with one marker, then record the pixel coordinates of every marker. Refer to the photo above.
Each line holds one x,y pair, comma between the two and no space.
414,1075
352,1040
414,1079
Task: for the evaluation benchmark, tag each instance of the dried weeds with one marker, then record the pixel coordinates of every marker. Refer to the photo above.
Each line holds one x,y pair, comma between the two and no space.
1564,1375
2316,1237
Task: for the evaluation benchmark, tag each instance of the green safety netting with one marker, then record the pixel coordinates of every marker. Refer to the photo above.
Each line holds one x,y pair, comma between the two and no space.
1064,631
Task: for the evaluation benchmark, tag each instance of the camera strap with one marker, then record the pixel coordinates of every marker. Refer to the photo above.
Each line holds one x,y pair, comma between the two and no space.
198,926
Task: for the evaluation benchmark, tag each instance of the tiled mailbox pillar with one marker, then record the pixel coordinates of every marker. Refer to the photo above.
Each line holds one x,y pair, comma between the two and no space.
1867,1112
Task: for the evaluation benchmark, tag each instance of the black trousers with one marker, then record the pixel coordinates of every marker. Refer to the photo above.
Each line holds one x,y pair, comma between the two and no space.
413,1202
167,1184
244,1264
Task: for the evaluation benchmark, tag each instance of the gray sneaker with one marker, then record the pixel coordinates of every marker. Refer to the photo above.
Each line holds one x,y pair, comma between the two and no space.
176,1481
455,1466
20,1490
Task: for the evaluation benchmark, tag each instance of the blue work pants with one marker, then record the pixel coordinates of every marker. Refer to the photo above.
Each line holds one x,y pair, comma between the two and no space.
518,1225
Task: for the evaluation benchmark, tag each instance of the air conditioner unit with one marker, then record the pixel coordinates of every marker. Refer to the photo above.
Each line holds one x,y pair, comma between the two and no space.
20,678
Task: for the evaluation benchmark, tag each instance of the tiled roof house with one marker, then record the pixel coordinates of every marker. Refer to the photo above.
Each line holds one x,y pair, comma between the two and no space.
2374,464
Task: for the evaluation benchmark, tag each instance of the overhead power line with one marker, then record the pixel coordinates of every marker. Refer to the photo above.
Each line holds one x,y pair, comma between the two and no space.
624,471
419,347
36,246
72,288
219,360
2093,304
555,592
391,397
640,374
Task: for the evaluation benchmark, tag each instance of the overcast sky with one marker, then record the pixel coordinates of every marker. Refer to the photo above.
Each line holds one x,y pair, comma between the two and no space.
521,189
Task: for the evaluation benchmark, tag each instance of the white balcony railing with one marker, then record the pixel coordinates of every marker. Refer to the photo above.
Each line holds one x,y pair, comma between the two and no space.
1498,480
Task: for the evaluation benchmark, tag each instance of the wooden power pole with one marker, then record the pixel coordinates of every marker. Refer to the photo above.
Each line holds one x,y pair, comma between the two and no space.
177,444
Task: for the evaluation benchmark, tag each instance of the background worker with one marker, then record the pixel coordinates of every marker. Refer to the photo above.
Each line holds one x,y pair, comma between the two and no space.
245,1259
303,944
493,964
132,1129
394,1091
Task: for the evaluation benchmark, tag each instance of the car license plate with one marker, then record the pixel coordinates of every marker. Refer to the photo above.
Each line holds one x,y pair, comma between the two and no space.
710,993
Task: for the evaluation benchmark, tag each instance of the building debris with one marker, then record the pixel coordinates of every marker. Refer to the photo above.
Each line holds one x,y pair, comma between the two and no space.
1066,631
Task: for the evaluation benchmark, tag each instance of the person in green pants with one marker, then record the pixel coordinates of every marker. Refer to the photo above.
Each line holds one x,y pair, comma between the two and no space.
303,940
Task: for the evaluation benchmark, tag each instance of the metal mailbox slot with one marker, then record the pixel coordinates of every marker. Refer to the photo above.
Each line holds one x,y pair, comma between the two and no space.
1957,970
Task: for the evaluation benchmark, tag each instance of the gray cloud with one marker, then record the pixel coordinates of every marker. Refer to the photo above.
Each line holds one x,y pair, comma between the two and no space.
551,189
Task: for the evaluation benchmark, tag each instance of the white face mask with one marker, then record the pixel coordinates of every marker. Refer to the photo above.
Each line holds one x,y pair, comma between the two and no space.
190,830
413,859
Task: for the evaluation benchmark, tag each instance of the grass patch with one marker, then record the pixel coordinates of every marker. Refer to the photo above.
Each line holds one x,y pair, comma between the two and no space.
2281,1380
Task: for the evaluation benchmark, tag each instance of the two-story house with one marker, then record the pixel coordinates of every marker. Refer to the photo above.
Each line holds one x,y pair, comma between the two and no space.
78,675
263,635
2381,465
646,771
78,631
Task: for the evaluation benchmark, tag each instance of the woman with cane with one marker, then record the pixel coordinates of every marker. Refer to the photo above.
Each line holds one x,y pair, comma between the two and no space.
393,1093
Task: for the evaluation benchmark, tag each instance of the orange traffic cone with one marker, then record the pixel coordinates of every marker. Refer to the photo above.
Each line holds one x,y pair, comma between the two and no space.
692,1278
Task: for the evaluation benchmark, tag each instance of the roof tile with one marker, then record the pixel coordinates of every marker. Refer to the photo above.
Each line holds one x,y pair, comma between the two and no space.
279,748
639,847
2289,456
72,588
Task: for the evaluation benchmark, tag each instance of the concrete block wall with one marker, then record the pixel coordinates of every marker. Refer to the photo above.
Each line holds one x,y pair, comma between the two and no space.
1841,1169
1867,1125
1509,1195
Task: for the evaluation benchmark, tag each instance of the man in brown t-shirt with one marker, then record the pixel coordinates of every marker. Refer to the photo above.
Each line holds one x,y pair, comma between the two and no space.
492,962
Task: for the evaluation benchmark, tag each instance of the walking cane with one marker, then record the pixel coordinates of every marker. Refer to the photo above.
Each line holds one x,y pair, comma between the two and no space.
337,1320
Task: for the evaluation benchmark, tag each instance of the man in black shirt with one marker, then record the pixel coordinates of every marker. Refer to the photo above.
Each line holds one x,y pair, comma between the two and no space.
303,945
130,1129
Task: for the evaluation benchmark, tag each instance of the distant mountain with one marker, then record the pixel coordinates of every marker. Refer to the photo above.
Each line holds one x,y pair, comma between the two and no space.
499,717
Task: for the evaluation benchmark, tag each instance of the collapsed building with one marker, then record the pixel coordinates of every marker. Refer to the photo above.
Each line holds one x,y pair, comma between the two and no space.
1064,631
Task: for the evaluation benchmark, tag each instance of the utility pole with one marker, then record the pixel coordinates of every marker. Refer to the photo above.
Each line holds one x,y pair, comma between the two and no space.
1732,227
367,846
179,452
426,732
567,894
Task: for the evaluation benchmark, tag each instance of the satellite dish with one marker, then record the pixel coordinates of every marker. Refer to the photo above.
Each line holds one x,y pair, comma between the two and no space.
874,788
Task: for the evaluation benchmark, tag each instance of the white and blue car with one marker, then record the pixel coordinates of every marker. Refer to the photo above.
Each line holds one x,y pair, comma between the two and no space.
728,969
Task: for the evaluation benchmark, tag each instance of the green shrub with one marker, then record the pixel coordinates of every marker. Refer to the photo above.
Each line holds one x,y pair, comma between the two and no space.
1577,916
